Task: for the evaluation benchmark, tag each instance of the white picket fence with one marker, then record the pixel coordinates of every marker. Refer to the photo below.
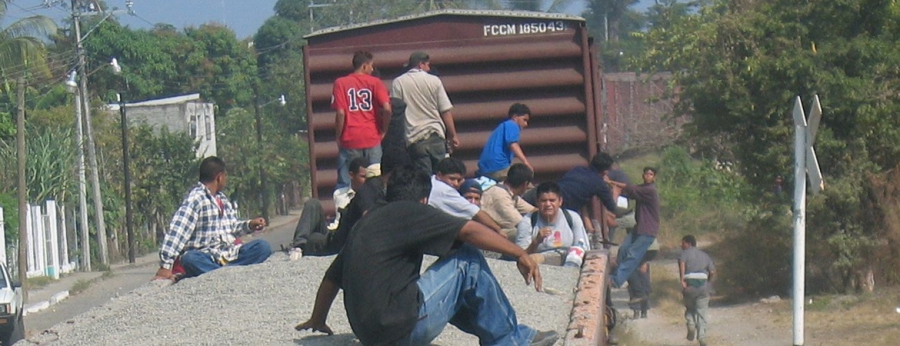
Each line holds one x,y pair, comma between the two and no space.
47,250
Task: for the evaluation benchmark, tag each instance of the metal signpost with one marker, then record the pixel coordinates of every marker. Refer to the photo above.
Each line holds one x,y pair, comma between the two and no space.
805,163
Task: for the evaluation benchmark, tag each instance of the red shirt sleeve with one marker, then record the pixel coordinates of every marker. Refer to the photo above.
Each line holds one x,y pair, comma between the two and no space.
338,96
381,94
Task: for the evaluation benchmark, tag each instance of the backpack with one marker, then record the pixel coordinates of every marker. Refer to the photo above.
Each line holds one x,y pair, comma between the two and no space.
534,218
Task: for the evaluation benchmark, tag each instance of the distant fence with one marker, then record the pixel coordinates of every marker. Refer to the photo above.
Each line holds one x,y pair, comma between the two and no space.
635,115
47,246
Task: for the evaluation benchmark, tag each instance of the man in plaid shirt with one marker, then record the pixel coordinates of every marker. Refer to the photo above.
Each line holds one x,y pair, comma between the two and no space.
204,229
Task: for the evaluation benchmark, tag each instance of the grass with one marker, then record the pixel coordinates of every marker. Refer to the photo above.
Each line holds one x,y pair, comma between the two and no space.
867,319
39,282
82,285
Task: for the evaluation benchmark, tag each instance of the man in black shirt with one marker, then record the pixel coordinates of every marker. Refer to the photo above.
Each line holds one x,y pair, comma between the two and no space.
389,303
367,196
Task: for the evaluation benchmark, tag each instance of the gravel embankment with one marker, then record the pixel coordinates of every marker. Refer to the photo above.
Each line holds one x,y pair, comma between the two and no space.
260,305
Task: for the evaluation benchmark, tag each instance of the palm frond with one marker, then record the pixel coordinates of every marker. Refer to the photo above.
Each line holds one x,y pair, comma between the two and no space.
34,26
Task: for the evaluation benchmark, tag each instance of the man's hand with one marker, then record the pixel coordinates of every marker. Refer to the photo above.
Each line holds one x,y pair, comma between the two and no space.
683,284
542,234
454,142
314,326
257,224
163,274
530,271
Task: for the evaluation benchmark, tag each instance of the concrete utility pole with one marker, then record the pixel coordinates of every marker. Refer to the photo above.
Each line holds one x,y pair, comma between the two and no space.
92,151
72,87
22,187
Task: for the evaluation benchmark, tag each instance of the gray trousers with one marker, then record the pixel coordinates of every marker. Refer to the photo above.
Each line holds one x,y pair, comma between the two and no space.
696,312
428,152
311,233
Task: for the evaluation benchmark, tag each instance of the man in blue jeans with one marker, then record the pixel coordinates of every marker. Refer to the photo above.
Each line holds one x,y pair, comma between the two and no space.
204,231
632,250
389,303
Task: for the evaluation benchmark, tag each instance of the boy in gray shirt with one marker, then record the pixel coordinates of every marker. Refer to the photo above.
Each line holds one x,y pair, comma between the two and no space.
696,270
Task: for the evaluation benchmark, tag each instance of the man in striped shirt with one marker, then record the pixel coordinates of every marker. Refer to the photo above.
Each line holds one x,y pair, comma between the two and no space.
204,231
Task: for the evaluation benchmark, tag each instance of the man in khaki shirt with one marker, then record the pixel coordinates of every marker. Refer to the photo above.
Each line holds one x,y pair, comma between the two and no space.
503,201
429,123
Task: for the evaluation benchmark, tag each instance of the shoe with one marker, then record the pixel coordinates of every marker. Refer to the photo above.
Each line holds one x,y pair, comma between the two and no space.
637,314
545,338
296,253
643,313
690,335
702,342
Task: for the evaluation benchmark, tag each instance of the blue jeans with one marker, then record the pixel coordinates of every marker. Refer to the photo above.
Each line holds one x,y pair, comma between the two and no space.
347,155
461,290
196,263
631,252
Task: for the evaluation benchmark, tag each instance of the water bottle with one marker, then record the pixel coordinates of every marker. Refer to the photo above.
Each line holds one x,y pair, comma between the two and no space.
576,255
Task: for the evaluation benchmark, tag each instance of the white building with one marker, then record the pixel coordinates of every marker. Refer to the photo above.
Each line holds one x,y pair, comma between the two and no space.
184,113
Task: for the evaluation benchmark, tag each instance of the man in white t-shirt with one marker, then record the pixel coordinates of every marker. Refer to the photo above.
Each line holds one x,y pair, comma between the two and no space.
429,122
445,195
555,235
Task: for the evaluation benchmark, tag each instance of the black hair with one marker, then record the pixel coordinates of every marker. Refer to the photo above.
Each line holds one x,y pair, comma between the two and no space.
408,183
690,240
451,165
360,58
210,167
357,163
601,162
648,168
547,187
519,174
518,109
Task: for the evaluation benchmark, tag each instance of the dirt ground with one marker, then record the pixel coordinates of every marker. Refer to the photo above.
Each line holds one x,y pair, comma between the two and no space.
869,319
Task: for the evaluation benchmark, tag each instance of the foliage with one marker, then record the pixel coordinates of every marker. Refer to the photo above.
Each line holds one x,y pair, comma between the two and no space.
738,67
700,196
208,59
50,164
284,157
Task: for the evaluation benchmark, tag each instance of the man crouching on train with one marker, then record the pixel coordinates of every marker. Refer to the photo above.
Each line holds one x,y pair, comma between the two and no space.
389,303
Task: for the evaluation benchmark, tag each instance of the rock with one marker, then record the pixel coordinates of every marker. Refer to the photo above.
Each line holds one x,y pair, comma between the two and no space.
770,300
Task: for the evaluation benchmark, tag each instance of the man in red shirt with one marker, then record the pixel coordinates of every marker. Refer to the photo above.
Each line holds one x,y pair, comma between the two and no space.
362,113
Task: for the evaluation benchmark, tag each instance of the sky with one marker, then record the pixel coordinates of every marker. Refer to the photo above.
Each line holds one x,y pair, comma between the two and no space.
242,16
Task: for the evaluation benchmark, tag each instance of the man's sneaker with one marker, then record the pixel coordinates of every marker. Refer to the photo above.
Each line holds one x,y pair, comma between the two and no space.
545,338
702,342
296,253
690,335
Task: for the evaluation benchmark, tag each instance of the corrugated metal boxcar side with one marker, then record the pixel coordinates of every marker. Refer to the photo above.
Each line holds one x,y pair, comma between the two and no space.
487,61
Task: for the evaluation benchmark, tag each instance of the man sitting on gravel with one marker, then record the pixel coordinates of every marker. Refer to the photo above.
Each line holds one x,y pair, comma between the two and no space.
448,176
503,202
389,303
311,234
205,228
552,235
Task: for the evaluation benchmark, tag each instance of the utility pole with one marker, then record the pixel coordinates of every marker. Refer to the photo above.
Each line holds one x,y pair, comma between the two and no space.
72,87
92,152
22,187
264,205
126,162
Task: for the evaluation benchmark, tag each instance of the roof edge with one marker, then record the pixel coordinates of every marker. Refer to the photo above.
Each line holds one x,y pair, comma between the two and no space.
460,12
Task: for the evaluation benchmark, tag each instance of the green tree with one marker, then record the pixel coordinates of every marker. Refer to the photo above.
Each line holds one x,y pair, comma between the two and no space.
738,66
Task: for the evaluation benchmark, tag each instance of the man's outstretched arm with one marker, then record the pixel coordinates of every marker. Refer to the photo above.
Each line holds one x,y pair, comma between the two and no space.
484,238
